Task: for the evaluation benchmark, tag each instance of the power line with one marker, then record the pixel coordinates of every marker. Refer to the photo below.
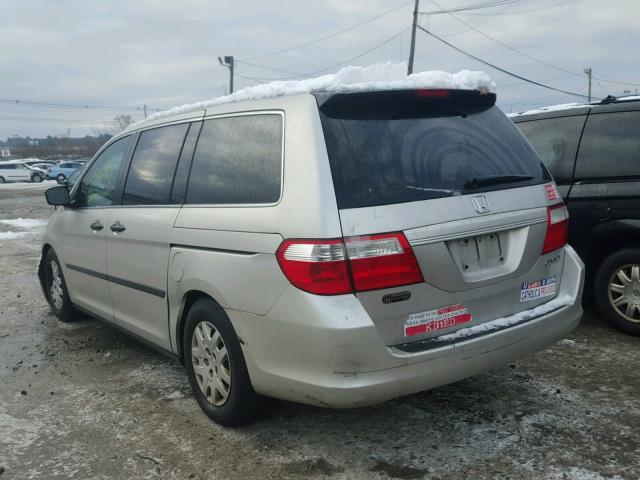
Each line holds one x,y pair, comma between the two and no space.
486,20
530,57
613,80
68,105
351,59
529,10
473,6
56,120
507,72
267,68
326,37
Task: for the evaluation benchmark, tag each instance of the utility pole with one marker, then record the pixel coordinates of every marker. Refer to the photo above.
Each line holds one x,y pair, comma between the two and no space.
588,72
227,61
416,6
145,110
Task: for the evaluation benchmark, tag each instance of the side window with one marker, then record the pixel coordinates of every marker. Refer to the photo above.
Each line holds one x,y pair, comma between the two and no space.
556,142
153,166
610,146
238,160
98,185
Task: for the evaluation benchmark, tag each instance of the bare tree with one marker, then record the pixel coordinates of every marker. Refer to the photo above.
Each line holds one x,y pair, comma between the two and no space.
120,122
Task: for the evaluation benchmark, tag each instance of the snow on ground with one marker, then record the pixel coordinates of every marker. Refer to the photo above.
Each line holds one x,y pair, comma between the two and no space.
380,76
21,228
23,185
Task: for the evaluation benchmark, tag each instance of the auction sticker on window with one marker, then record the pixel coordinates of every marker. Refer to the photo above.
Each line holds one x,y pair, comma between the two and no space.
437,319
539,289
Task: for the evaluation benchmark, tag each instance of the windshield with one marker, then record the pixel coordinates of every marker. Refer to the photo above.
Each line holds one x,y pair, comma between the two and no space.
396,160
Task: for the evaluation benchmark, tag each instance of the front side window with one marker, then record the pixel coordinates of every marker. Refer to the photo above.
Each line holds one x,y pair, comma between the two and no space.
238,160
610,146
556,142
153,166
98,186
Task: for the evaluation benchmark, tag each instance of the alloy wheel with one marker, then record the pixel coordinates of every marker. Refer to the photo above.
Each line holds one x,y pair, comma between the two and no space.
624,292
211,363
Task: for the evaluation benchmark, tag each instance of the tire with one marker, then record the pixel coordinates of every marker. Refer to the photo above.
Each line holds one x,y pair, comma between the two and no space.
617,290
57,293
1,179
60,179
230,403
36,178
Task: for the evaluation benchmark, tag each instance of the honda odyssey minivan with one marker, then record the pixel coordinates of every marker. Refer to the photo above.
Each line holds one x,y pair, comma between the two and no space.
333,249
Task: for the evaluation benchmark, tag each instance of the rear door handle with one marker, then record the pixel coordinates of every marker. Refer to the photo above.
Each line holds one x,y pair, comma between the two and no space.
117,227
96,226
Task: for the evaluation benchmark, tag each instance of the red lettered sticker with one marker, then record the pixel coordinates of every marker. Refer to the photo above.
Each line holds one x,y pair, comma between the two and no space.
437,319
552,191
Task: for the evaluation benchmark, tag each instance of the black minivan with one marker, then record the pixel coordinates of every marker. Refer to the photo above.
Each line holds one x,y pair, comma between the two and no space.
593,153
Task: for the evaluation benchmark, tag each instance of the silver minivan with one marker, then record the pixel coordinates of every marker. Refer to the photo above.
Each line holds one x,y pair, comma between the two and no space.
333,249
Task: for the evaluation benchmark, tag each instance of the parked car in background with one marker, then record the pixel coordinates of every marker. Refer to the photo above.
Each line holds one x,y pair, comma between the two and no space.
73,178
37,174
593,153
14,171
36,162
62,171
332,249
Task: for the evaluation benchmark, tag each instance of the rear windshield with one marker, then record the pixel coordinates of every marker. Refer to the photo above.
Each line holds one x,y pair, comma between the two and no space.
380,161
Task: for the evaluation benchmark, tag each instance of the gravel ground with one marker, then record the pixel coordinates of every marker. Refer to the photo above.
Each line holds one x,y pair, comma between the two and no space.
82,400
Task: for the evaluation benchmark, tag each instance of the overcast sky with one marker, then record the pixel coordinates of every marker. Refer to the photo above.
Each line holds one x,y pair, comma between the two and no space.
124,54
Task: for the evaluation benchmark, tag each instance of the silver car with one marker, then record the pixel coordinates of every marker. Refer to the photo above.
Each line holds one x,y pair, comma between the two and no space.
333,249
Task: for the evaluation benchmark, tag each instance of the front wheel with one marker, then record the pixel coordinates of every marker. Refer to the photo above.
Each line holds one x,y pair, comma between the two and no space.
617,290
61,178
216,367
1,179
36,178
56,288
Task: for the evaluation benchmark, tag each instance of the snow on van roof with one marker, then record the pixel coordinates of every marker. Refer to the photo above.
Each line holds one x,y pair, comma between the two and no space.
551,108
569,106
380,76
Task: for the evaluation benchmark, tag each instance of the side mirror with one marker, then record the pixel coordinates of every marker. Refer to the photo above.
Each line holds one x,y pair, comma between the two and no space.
58,196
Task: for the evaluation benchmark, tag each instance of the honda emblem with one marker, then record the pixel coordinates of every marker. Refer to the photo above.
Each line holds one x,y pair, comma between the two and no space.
481,203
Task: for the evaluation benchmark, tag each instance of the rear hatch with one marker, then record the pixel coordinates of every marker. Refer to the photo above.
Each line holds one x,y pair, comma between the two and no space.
460,189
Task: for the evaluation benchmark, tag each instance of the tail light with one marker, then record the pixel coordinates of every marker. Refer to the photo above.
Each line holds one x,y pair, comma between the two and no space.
315,266
557,228
382,261
338,266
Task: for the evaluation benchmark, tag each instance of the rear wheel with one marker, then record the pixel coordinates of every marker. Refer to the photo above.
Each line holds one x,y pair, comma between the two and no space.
1,179
56,288
61,178
617,290
216,367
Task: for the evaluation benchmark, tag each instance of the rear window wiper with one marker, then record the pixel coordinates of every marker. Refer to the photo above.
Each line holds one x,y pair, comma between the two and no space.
477,182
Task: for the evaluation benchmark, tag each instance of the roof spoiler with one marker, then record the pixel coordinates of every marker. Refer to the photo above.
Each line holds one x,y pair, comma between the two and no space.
395,104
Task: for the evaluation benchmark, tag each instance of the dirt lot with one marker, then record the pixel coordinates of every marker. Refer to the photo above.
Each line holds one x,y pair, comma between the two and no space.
84,401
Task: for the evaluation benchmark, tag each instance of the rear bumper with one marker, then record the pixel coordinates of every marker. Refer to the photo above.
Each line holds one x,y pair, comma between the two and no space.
326,351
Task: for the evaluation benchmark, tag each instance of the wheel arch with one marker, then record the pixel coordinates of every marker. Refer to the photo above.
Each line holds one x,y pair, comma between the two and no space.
188,299
607,244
